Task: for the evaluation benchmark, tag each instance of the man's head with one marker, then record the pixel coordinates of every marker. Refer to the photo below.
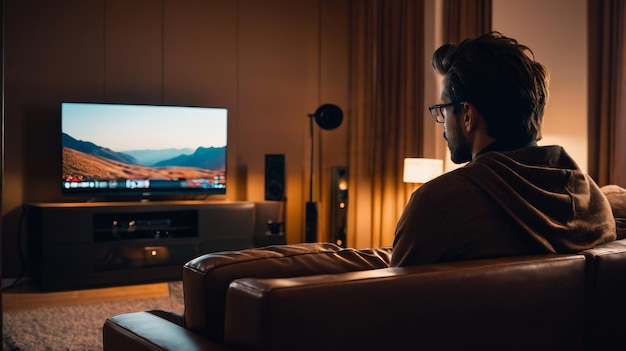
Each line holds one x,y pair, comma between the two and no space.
491,76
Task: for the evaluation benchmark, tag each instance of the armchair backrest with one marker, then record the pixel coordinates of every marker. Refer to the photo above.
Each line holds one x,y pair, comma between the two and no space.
206,278
514,303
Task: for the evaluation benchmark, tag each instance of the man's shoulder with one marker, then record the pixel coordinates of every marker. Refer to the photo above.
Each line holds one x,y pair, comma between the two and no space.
460,178
450,176
461,174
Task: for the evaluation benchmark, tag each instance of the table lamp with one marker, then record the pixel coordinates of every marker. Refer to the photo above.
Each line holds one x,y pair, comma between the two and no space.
421,170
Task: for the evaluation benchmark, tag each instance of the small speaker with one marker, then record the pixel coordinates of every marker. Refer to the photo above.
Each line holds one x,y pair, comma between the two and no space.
310,230
275,178
339,205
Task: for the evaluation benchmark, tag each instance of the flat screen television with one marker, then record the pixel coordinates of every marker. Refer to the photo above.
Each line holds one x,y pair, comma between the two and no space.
113,149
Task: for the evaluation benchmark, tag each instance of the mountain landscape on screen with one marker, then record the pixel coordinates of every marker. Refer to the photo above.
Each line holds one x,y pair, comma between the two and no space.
84,160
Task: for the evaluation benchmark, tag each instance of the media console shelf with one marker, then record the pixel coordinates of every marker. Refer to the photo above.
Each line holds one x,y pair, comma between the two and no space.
95,244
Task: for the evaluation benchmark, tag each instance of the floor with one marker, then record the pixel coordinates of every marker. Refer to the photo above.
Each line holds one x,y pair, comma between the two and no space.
27,296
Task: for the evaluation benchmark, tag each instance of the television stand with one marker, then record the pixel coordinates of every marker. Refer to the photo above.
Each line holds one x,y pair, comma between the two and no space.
96,244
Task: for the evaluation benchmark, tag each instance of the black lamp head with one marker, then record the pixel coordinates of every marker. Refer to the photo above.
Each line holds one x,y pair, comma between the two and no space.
328,116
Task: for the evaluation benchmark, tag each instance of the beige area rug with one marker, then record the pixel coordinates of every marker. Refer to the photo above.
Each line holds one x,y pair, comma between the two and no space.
78,327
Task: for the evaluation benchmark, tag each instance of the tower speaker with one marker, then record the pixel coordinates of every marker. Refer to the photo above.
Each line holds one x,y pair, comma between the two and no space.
339,205
275,177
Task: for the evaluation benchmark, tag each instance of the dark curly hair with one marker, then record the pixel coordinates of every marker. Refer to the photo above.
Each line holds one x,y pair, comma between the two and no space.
495,74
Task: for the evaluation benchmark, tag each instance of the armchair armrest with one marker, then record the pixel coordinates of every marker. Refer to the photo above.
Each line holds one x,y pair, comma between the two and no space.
148,331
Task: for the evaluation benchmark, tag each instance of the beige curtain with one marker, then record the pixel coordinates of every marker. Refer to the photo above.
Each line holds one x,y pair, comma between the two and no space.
385,114
607,91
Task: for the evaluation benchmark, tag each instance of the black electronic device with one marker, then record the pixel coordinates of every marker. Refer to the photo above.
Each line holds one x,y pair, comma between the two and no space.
275,175
328,117
153,225
123,150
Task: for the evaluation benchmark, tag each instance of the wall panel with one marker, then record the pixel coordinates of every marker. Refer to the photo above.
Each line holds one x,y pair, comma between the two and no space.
278,87
200,52
53,52
133,51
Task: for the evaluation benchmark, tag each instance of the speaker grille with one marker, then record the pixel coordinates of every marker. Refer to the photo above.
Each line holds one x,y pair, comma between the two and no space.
275,177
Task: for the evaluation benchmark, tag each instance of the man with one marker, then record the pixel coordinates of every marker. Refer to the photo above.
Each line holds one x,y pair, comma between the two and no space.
513,197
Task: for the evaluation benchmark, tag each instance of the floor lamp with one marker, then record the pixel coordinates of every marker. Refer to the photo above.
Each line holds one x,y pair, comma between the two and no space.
327,116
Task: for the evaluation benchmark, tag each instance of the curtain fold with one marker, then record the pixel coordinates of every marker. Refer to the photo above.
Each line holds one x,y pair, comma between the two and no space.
386,109
607,91
465,18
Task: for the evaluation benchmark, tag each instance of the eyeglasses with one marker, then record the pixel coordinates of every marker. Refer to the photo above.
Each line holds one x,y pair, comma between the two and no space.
439,111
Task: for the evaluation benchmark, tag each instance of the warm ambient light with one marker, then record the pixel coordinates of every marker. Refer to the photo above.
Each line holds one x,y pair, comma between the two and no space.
421,170
343,184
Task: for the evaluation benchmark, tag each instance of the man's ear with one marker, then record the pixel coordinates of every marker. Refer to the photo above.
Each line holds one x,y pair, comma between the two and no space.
471,117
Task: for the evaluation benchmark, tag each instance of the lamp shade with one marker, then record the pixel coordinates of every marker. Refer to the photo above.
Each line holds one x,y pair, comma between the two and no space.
421,170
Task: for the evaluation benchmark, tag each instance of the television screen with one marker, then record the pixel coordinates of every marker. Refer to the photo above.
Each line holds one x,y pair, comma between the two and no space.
125,149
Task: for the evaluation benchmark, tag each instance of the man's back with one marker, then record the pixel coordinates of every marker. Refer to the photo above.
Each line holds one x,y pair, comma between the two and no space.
528,201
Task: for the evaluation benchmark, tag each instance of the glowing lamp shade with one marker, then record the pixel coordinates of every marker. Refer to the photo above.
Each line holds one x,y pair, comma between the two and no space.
421,170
